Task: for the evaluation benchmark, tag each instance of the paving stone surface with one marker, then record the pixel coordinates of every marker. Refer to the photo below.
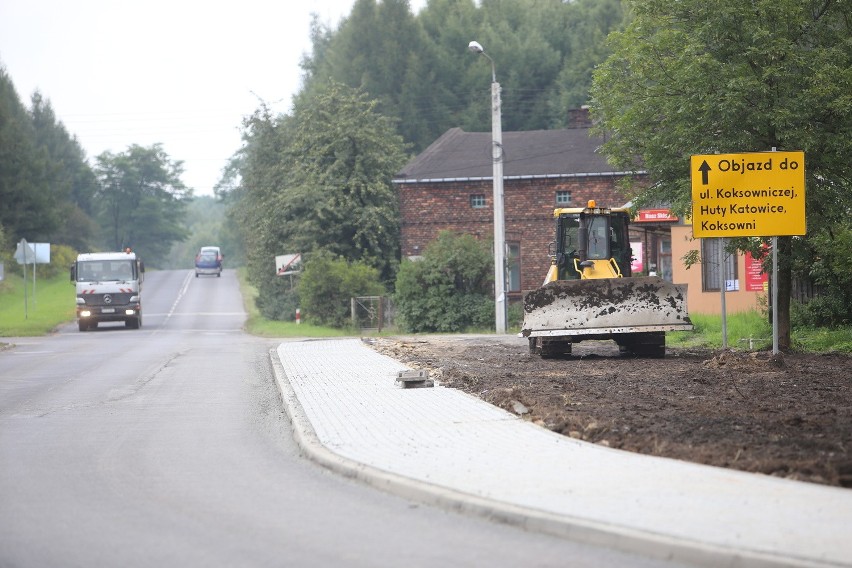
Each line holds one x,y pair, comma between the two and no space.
447,438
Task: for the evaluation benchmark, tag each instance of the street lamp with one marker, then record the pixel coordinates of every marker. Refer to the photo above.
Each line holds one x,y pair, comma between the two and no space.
499,227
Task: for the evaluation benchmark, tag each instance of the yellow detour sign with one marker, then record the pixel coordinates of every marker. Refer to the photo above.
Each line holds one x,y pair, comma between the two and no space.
760,194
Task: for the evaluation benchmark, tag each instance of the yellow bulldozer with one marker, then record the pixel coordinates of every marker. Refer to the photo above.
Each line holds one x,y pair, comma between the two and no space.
590,293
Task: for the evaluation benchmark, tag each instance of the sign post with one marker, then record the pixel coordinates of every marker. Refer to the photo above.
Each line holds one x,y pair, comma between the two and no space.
288,265
758,194
25,254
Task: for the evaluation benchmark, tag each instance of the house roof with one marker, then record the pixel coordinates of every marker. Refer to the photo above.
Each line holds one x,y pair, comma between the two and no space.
460,155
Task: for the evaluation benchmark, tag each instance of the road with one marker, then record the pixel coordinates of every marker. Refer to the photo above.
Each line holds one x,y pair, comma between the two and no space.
168,446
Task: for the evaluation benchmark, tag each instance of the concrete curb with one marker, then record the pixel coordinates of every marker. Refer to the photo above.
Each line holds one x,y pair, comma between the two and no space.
576,529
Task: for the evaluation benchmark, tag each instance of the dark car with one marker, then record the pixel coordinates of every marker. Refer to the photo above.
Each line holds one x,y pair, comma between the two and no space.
207,262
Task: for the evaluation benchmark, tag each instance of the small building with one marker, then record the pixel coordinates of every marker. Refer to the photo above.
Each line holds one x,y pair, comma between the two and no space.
449,186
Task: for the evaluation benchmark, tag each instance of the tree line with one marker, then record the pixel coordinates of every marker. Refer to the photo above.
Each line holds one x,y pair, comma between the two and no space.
377,89
50,192
665,80
418,67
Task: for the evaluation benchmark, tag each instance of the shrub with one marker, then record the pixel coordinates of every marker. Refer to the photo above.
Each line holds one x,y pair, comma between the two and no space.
449,289
822,311
277,301
61,258
327,285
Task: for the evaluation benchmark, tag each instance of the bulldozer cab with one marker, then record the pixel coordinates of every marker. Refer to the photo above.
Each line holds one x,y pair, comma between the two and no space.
592,243
590,293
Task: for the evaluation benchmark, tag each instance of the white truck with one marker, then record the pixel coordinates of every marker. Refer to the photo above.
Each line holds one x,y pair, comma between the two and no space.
109,288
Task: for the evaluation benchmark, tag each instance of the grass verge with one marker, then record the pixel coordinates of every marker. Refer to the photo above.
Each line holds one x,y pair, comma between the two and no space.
256,324
51,304
752,331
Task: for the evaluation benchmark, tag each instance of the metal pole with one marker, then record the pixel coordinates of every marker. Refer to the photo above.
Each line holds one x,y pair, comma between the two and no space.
24,253
775,349
722,287
500,313
499,227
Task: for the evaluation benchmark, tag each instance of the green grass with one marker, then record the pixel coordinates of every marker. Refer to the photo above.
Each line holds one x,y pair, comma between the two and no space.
823,340
741,326
754,325
52,305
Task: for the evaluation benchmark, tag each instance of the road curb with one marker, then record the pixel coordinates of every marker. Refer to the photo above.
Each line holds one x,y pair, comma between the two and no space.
576,529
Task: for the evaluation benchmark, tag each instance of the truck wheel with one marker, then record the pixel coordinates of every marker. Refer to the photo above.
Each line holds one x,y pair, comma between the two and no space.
82,325
652,344
549,348
132,323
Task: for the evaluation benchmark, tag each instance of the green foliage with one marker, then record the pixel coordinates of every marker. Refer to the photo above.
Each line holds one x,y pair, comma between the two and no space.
345,155
449,289
823,311
258,325
821,340
206,224
43,173
327,285
515,315
420,71
72,182
319,180
825,259
741,326
754,325
142,201
52,304
61,258
5,246
699,77
278,299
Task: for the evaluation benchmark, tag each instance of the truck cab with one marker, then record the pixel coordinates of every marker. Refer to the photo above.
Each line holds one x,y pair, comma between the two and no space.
108,288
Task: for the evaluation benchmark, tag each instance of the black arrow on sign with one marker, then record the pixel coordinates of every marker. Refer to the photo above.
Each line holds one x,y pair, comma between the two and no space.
704,168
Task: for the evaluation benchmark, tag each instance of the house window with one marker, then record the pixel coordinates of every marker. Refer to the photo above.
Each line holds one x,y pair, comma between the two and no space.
710,249
664,258
563,197
477,201
513,261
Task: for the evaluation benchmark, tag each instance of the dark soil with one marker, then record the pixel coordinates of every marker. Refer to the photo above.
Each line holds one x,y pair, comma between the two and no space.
788,415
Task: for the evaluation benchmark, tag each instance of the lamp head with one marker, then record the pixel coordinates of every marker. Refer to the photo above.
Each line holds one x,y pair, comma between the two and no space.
475,47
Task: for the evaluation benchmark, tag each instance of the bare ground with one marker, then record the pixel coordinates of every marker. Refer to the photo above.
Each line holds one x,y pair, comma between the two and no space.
788,415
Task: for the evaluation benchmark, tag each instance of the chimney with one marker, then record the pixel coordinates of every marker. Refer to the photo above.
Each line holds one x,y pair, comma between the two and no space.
579,117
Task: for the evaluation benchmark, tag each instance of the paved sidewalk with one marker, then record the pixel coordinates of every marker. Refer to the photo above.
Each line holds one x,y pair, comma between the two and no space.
445,447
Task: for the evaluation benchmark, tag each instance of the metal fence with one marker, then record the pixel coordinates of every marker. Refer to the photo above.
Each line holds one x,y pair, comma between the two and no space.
372,314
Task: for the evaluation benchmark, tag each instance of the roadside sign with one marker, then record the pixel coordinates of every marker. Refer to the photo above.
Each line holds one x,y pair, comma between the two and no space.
32,253
25,253
288,264
759,194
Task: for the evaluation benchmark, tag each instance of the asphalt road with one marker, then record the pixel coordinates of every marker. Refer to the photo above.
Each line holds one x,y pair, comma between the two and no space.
168,446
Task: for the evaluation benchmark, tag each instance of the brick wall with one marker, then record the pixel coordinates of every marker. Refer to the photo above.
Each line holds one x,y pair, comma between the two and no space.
429,208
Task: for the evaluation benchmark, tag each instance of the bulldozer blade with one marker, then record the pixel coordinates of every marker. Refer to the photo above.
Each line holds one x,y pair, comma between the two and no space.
605,306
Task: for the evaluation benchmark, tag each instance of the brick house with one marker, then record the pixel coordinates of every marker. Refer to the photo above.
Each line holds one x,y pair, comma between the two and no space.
449,186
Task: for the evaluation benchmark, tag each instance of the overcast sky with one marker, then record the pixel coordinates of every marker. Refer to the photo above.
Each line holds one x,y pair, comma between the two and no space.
179,72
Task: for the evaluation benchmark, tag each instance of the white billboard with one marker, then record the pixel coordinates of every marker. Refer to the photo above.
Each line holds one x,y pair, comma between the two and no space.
288,264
